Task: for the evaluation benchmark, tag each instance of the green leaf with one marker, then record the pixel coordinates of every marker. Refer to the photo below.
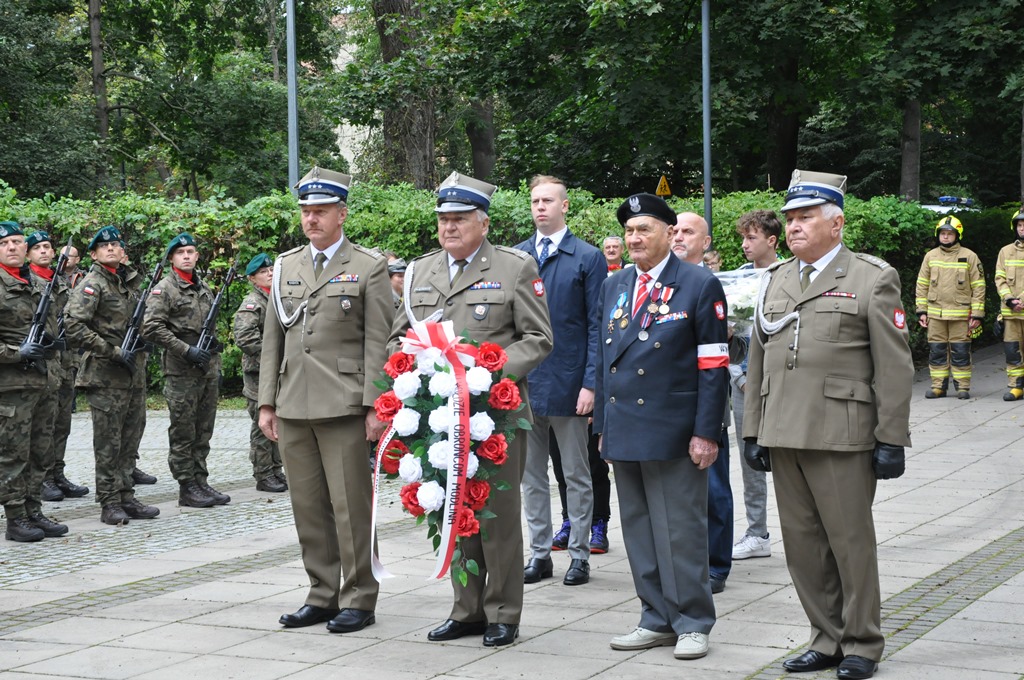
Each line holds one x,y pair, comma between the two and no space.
485,514
472,567
523,424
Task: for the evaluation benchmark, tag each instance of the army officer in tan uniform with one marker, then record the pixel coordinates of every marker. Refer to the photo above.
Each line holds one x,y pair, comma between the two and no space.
509,310
827,411
324,340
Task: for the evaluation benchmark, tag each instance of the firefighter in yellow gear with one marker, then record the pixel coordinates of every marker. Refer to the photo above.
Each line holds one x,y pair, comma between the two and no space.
1009,281
950,303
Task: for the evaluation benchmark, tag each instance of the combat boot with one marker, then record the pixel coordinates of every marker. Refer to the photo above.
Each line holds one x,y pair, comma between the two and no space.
191,495
50,492
50,528
21,530
69,488
137,510
934,393
271,484
284,480
218,497
113,514
1013,394
140,477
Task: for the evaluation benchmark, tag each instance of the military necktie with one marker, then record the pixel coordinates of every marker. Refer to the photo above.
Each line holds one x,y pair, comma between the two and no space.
805,276
461,264
641,293
544,243
318,264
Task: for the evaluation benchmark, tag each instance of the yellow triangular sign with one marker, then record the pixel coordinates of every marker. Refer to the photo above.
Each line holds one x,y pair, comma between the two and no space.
663,189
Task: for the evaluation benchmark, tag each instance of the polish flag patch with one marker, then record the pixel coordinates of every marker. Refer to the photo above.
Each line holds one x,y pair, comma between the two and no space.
538,287
720,310
155,291
250,306
89,290
899,319
714,355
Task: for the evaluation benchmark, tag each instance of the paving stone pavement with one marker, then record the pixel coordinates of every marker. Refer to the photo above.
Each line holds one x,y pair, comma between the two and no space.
198,591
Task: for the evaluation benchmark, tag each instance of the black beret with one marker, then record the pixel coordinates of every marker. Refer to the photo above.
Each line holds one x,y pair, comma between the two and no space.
650,205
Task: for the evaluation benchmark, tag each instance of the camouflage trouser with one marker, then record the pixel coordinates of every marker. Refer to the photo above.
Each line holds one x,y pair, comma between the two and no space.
115,416
949,352
1013,337
137,417
193,406
40,457
263,453
62,425
17,408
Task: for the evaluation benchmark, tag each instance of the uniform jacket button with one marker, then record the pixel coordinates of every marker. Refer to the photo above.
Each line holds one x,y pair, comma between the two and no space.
640,371
306,350
640,402
790,365
611,400
612,370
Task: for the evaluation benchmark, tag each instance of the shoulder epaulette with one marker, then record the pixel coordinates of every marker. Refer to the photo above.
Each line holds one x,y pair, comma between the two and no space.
291,252
426,255
521,254
877,261
372,252
778,263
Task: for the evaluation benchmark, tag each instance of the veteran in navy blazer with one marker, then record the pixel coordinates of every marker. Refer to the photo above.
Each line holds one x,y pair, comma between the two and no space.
661,390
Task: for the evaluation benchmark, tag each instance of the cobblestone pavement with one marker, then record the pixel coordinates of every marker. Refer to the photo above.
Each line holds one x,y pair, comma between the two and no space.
198,591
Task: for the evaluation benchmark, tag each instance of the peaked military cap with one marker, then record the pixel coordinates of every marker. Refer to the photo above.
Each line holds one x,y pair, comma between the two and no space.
808,189
397,266
37,237
257,263
107,234
460,193
9,228
321,187
182,239
639,205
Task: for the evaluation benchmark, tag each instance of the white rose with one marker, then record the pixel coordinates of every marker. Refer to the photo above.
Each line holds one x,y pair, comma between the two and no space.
440,418
480,426
442,384
406,422
478,379
410,469
439,454
426,359
430,496
407,385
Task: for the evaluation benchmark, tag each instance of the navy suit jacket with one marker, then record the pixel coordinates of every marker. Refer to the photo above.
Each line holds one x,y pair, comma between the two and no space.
653,395
572,275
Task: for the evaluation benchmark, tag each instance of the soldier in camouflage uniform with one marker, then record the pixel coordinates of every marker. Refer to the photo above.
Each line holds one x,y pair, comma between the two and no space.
263,453
177,307
54,425
113,379
23,382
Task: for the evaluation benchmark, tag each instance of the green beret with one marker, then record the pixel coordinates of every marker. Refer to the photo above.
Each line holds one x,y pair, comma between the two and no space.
37,237
9,228
107,234
182,239
257,263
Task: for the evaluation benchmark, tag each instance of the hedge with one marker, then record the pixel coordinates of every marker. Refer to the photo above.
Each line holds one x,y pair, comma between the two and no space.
401,218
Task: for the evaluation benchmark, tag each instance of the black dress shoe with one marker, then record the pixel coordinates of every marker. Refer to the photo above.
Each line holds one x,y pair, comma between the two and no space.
307,615
717,585
453,630
578,574
499,634
855,668
351,620
811,661
537,568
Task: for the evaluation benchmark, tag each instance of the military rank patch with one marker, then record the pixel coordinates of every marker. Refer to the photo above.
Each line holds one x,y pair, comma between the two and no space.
422,289
674,316
156,291
720,310
899,318
486,285
538,287
345,278
250,306
89,290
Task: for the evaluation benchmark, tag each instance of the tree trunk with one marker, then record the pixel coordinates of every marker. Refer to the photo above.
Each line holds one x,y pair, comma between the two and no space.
1022,156
99,85
480,130
272,40
910,151
783,117
408,129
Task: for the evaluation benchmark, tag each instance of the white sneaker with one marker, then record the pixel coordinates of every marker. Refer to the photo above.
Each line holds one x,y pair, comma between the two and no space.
752,546
691,646
641,638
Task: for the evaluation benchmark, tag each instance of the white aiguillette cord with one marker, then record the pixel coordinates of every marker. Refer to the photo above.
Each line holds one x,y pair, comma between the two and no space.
772,327
407,298
286,320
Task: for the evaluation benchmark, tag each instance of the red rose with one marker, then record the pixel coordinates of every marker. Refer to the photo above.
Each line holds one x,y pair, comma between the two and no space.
392,456
466,523
399,363
408,496
477,492
386,406
494,449
491,356
505,395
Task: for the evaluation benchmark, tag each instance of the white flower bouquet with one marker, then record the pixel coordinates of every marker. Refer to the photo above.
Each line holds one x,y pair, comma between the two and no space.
741,288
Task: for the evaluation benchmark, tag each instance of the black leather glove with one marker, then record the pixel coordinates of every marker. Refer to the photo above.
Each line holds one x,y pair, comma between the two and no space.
216,347
888,461
32,351
758,457
199,357
125,359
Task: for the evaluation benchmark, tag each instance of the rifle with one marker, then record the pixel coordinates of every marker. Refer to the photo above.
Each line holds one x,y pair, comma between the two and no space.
209,333
37,331
133,335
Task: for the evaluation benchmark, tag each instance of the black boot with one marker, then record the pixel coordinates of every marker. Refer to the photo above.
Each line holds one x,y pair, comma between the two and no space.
50,492
137,510
140,477
191,495
69,488
21,530
49,528
271,484
218,497
113,514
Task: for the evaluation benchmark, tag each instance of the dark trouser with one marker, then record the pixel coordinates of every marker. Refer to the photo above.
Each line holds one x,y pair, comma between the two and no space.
17,408
598,477
193,406
62,424
115,417
264,454
720,509
40,458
